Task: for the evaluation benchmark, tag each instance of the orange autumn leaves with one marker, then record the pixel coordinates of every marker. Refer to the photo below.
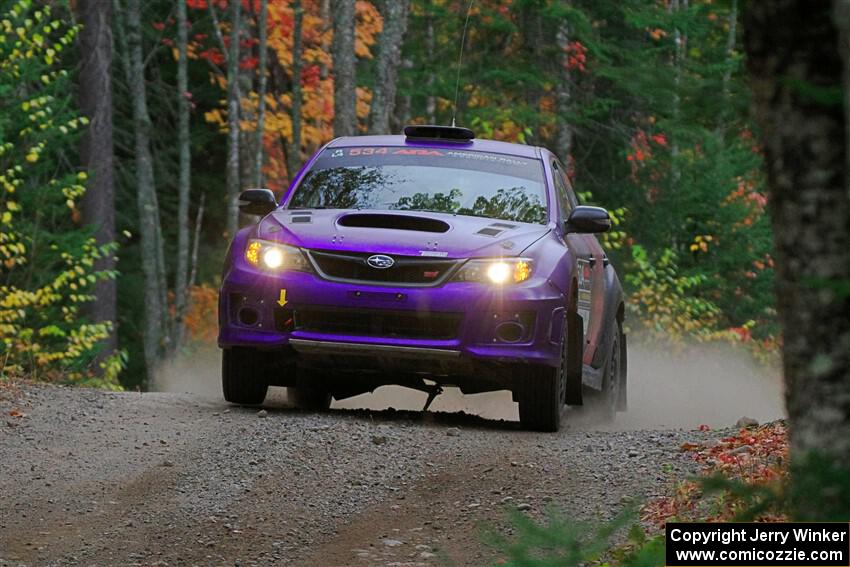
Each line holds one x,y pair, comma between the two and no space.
756,456
316,75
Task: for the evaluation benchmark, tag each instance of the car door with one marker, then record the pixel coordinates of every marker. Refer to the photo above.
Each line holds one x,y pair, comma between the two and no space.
589,266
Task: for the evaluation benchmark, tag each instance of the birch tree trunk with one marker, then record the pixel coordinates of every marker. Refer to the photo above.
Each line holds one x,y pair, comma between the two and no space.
293,155
233,184
184,175
563,96
261,92
96,151
795,66
430,45
389,56
678,60
345,69
155,325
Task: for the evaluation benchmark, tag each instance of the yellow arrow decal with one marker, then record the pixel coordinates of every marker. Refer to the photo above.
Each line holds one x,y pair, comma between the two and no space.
282,300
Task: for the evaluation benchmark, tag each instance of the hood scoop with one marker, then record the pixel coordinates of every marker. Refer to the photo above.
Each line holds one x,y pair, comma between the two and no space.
495,229
397,222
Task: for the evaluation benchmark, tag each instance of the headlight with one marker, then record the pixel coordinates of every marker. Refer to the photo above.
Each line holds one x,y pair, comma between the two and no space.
276,257
497,271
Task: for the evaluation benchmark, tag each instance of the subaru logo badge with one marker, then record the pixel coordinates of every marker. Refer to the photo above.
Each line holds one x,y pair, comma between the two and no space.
380,261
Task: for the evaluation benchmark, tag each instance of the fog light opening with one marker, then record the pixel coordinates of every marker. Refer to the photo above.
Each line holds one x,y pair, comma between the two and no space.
510,332
248,316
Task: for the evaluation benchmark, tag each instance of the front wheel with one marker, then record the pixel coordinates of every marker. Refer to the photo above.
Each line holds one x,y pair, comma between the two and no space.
542,395
244,376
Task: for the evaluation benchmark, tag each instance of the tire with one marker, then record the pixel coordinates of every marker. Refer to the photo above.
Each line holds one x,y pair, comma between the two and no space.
542,394
244,379
607,401
311,393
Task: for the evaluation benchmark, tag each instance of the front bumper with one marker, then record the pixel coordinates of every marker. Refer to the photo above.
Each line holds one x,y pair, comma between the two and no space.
313,317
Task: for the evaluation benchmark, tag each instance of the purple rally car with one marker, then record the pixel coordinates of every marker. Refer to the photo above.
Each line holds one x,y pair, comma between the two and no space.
425,260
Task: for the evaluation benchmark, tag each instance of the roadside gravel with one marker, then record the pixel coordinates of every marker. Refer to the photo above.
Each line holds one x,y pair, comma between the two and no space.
90,477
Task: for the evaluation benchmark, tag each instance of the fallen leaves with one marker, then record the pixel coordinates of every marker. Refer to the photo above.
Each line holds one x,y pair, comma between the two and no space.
756,456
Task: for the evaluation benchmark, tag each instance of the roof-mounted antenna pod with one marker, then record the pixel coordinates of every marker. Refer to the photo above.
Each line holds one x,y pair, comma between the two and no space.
460,60
429,133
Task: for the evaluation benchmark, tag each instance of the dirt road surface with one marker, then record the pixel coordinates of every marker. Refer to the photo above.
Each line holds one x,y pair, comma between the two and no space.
93,478
96,478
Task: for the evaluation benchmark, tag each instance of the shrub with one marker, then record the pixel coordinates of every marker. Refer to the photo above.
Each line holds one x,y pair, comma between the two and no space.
46,258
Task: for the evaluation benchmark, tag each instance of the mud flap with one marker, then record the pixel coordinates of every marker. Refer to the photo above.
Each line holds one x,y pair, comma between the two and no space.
575,349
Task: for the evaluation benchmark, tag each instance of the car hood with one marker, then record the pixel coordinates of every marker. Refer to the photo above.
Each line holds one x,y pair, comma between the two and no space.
425,234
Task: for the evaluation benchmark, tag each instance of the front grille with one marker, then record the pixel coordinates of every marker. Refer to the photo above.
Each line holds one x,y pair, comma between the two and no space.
406,271
377,323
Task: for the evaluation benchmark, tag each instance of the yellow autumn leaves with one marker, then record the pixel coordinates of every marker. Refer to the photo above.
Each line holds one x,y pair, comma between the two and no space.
46,278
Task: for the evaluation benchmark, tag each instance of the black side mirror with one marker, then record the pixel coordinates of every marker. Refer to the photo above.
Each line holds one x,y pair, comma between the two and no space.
589,220
258,202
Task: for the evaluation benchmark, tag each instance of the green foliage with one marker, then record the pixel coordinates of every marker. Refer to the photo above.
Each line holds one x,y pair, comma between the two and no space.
817,489
658,107
557,542
562,542
665,302
46,259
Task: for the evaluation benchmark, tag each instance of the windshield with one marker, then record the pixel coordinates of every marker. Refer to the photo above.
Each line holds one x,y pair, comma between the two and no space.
423,179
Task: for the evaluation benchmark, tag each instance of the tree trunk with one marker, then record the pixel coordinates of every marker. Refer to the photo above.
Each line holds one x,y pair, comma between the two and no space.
149,226
345,69
389,56
293,155
731,38
261,91
196,243
678,60
563,96
233,184
430,44
96,152
842,19
184,175
796,69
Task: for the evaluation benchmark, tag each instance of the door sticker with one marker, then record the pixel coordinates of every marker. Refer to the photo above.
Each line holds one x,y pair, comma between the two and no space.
585,281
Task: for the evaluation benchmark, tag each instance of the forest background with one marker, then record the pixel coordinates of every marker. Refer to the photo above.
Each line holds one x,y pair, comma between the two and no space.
127,127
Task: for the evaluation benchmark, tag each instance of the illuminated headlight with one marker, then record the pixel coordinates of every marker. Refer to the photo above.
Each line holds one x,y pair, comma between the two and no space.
275,257
497,271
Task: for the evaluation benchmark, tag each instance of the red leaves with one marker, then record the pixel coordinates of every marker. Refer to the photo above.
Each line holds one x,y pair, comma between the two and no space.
756,456
576,56
249,63
743,333
203,5
212,55
310,76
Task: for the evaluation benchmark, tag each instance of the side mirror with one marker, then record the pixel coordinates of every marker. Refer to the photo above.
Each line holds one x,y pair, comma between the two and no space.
258,202
588,220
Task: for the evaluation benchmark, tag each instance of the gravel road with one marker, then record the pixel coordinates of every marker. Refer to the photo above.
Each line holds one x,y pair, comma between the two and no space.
91,477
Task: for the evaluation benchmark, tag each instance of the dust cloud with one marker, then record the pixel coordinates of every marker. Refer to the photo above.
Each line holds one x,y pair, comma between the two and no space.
700,385
198,372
